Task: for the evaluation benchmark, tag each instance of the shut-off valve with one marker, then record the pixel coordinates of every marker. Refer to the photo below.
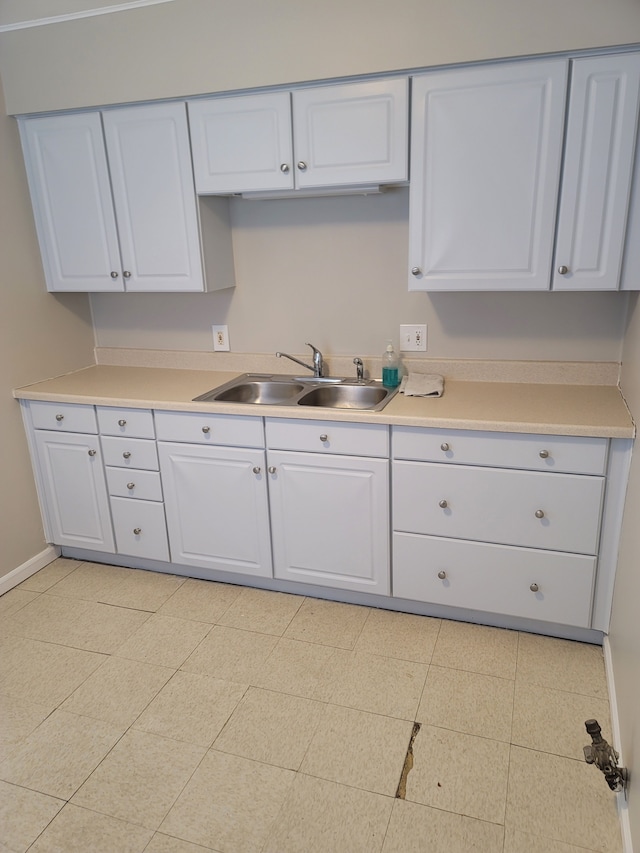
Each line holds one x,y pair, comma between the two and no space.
604,756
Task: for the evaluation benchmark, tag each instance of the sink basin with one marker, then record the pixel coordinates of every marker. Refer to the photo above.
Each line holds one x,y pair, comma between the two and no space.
331,392
345,396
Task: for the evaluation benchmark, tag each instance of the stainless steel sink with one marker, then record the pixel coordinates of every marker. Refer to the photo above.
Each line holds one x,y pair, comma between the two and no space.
331,392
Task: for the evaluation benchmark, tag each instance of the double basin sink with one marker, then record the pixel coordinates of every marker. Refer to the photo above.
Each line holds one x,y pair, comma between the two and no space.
281,390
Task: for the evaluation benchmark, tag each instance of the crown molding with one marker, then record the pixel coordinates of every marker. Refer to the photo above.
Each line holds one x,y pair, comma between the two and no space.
75,16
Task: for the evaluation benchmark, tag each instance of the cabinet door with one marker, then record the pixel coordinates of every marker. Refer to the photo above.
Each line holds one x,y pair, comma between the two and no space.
72,203
242,144
354,133
154,196
598,166
486,149
330,520
75,492
216,507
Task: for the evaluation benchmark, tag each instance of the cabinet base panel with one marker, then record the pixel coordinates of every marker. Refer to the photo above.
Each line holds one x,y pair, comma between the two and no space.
567,632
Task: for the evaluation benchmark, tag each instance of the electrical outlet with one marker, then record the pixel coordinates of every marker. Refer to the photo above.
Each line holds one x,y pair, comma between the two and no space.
413,338
220,338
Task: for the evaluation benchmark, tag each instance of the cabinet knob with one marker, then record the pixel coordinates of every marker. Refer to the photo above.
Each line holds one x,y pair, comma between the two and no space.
324,437
206,429
284,168
534,587
539,513
114,274
563,270
131,486
302,165
544,454
257,469
92,452
272,469
442,575
443,504
445,446
122,422
126,454
416,271
126,274
59,418
137,531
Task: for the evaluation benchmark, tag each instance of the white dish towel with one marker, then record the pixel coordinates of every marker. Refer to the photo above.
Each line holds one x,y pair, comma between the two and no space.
422,385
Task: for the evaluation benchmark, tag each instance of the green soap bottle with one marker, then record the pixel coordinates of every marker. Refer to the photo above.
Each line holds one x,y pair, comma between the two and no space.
390,367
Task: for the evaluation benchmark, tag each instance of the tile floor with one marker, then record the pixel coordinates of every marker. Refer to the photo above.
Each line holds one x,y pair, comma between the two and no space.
146,712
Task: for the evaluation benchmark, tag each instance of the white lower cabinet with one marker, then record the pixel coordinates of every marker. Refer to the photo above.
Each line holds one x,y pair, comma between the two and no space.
140,528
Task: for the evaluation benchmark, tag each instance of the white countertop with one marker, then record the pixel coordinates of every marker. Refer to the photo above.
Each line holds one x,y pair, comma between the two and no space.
562,409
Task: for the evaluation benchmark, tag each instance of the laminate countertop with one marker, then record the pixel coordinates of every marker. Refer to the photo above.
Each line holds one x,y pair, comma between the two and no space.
550,409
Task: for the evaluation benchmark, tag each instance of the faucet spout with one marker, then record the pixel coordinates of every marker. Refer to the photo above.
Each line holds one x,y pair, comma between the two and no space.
317,367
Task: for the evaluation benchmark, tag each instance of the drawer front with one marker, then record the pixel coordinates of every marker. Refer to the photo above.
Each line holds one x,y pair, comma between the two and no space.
202,428
137,423
553,453
124,483
130,453
140,528
63,417
495,505
521,582
328,437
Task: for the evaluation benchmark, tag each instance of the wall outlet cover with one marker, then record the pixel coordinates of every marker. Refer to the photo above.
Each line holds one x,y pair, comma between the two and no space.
220,338
413,338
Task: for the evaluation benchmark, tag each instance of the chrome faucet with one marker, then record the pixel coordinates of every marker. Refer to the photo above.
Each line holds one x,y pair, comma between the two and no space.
359,369
318,364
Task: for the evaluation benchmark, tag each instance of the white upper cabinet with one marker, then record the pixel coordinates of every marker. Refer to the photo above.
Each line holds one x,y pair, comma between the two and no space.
115,210
486,149
337,135
598,166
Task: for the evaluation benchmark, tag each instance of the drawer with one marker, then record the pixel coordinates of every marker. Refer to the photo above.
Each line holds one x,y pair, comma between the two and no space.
124,483
494,578
137,423
498,505
64,417
559,453
140,529
202,428
328,437
129,452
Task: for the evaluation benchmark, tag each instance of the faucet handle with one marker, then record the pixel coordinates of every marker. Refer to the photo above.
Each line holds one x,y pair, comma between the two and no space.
318,362
359,368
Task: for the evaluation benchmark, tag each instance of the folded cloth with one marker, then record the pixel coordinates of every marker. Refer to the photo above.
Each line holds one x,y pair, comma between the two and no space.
422,385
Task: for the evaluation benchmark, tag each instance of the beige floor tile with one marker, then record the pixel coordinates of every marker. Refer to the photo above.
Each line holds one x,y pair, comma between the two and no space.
18,718
50,575
77,830
399,635
202,601
90,582
43,673
164,641
561,799
118,691
166,844
467,702
275,728
459,773
476,648
191,707
80,624
231,654
23,816
521,842
60,754
303,669
320,816
329,623
562,665
415,828
13,601
359,749
378,684
140,779
261,610
553,720
229,804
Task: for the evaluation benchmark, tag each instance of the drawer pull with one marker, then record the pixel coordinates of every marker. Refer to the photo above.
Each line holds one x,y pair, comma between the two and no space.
534,587
137,531
131,486
443,504
539,513
126,454
59,418
445,446
324,437
442,575
272,469
122,422
92,452
206,429
257,469
544,454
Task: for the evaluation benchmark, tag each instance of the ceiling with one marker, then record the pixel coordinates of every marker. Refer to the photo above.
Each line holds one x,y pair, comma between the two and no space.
18,14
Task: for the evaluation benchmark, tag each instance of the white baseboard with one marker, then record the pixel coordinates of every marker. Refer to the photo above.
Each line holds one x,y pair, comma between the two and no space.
21,573
623,806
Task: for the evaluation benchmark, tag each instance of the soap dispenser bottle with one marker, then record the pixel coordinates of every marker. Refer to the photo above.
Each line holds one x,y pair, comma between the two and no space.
390,367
